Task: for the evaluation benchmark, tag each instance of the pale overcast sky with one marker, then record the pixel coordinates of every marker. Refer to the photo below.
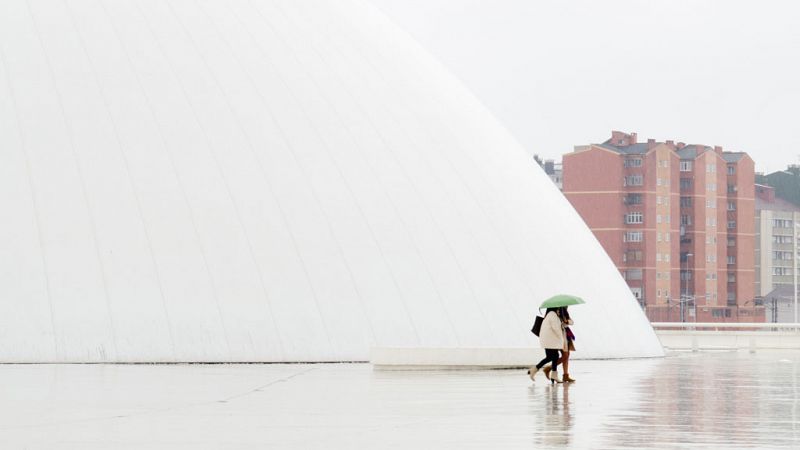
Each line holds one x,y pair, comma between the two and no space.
721,72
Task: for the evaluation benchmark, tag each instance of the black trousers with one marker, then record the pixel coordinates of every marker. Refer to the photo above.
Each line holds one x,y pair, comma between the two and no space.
550,355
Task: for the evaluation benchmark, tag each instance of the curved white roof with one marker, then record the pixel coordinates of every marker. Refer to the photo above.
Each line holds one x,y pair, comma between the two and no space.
268,181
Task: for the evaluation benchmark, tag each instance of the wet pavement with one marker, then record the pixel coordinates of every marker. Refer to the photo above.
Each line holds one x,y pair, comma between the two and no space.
686,400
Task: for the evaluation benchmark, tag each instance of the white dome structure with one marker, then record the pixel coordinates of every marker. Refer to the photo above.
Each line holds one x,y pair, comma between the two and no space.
269,181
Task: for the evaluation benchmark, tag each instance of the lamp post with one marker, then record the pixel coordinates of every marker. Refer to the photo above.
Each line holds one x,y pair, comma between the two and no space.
685,296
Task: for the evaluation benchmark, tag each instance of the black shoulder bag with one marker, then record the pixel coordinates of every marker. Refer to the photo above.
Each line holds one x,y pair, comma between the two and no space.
537,325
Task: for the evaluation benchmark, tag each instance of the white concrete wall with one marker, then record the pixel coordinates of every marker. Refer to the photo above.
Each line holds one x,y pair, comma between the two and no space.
718,340
268,181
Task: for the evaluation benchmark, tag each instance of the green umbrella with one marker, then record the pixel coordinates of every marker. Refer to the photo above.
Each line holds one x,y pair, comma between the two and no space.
561,300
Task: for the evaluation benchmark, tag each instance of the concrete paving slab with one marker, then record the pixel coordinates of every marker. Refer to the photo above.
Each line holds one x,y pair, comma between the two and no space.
686,400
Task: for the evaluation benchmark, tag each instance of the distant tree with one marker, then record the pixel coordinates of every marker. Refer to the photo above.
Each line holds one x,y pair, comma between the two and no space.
785,182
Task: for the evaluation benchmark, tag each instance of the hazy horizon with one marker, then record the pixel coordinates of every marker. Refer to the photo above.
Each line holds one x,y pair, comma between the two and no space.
564,74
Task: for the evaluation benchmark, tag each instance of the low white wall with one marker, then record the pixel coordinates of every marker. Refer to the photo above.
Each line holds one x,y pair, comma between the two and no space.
714,340
444,358
682,336
711,336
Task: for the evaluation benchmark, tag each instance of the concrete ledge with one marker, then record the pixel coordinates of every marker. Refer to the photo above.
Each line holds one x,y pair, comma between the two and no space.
720,340
401,358
434,358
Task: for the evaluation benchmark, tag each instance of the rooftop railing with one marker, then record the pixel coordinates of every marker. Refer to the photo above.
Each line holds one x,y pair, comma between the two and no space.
726,326
727,335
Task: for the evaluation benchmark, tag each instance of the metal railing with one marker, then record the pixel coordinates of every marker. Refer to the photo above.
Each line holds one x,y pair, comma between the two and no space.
727,335
717,326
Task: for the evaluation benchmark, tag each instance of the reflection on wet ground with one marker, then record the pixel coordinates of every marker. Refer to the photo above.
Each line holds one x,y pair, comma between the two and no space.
687,400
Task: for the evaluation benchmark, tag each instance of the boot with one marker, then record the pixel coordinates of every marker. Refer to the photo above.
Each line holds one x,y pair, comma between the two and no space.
546,371
554,377
568,379
532,372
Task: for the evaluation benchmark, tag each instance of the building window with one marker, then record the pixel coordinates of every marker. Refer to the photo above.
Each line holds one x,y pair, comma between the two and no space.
686,184
632,199
711,204
711,187
666,237
731,206
633,180
632,236
781,239
686,166
731,224
782,271
686,275
781,223
686,202
633,274
731,277
686,219
732,188
658,218
731,260
633,162
634,217
725,312
731,241
782,256
632,255
731,169
711,168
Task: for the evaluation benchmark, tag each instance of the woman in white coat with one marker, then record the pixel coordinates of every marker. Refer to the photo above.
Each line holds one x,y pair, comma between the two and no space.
552,339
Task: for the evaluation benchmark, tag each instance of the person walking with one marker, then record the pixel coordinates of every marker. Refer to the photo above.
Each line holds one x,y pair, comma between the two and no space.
566,321
552,339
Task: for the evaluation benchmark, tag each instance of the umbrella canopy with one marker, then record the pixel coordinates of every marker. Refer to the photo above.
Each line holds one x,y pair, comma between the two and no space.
561,300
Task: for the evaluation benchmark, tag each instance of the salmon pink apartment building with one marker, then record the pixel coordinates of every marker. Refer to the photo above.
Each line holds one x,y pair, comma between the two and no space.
677,220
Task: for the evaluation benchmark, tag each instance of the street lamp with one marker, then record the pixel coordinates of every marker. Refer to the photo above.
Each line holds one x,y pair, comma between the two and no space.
685,296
